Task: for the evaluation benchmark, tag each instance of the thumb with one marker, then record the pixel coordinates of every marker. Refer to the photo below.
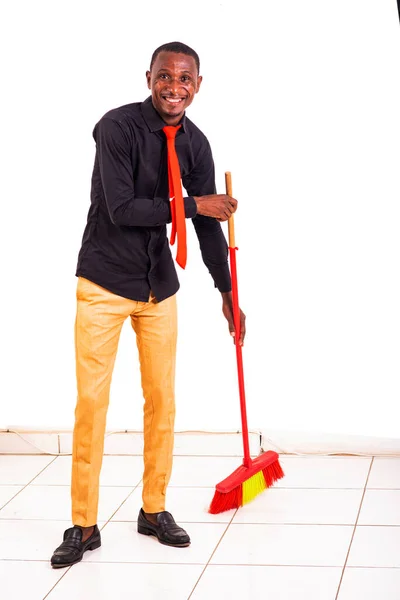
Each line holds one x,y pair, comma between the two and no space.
228,313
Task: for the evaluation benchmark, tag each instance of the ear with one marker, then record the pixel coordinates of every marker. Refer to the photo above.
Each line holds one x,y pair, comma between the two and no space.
199,80
148,77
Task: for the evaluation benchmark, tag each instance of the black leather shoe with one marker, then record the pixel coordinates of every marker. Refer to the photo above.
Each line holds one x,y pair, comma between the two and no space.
166,530
72,549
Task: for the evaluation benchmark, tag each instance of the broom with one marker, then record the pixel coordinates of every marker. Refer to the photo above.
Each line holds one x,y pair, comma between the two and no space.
253,476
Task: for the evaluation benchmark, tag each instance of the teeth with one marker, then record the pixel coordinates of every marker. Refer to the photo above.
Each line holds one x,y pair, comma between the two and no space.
173,100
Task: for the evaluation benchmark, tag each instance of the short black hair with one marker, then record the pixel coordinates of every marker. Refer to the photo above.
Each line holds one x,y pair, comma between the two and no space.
179,48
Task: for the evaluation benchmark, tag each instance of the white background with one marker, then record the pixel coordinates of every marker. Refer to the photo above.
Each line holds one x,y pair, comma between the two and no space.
300,100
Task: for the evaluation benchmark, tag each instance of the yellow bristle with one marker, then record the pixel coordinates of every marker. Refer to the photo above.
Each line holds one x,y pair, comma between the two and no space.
252,487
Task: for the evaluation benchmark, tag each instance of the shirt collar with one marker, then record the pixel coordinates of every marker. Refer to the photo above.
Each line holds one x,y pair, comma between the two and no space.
153,120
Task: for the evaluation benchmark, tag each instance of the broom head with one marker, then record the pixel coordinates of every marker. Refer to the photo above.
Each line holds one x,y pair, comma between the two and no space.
246,483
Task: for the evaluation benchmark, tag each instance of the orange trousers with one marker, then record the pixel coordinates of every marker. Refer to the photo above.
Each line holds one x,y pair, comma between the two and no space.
99,319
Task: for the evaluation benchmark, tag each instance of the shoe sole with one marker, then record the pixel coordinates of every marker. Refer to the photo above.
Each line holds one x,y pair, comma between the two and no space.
149,532
93,546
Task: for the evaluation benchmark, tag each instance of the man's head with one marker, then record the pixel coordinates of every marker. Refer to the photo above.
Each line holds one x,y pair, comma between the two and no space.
173,80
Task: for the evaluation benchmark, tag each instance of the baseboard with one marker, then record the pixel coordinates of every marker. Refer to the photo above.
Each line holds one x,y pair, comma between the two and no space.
298,442
205,443
129,443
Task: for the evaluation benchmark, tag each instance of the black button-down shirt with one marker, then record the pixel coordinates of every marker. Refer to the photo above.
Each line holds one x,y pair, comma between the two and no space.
125,248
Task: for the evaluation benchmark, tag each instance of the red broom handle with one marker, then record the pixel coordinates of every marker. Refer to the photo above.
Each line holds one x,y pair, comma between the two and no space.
236,317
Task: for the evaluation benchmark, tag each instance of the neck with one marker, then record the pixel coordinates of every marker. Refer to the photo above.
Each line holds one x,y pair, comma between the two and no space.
169,120
172,120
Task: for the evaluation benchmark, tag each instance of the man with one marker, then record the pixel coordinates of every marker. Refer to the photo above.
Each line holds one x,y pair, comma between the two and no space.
125,269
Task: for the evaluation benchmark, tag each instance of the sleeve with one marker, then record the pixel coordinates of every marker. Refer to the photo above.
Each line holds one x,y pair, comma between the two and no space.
115,161
214,249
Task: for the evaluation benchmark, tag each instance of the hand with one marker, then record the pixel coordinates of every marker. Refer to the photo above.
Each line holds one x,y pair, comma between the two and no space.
219,206
227,309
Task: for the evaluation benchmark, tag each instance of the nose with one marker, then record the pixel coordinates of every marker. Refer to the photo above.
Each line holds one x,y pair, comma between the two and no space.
174,86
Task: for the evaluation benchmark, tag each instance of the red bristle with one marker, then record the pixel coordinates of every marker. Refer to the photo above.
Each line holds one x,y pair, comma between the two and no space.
272,473
222,502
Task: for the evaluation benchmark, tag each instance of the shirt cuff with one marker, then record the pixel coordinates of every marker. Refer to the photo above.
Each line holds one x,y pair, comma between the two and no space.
190,207
222,277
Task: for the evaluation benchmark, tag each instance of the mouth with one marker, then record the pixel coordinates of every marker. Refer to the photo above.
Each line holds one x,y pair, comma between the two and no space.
173,100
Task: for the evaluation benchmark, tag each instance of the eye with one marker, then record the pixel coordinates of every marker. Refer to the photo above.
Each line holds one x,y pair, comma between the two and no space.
185,78
163,76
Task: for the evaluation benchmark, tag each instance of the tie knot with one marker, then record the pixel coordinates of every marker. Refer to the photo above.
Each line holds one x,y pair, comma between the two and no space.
170,131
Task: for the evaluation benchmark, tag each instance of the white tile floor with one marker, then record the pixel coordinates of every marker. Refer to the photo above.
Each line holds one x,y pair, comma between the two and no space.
330,530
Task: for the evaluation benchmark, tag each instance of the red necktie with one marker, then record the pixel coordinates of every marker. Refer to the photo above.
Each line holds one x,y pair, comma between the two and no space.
176,196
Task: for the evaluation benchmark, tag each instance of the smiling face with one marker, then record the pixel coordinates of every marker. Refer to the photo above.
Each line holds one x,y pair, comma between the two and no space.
173,81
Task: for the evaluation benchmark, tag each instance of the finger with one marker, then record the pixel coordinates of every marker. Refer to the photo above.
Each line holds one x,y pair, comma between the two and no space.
224,214
242,328
228,213
233,203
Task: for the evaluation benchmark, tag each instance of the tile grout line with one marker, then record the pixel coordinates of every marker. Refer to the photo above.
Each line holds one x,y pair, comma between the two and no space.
354,530
137,455
26,485
198,487
67,485
69,568
186,522
200,564
227,524
57,582
21,490
212,554
120,506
